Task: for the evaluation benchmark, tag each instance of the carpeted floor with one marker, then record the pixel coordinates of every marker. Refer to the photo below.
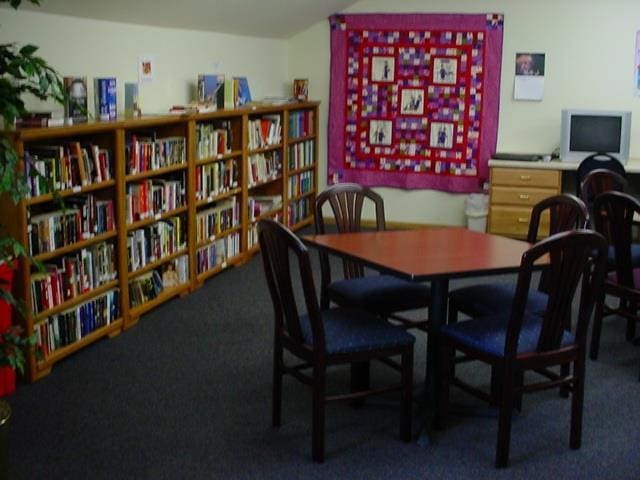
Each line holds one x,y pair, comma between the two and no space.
186,394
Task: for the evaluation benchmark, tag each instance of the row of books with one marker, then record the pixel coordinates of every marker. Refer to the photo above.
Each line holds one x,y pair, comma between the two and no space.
144,153
261,204
300,184
252,232
301,123
218,252
148,244
82,218
217,219
298,211
301,155
73,275
216,178
149,198
65,166
75,323
148,286
264,167
264,131
213,140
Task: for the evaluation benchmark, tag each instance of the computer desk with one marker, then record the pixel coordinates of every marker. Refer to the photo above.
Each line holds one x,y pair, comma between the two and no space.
515,186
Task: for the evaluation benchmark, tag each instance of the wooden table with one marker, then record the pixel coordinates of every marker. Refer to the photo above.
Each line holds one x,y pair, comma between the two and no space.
436,255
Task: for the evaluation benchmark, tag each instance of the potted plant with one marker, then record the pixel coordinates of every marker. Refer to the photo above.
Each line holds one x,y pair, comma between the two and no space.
22,72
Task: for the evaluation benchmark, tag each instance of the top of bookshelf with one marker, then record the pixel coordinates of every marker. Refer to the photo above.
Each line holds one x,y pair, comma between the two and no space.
95,126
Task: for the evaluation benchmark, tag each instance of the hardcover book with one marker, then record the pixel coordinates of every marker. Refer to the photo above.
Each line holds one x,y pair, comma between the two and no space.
76,98
131,105
105,93
208,89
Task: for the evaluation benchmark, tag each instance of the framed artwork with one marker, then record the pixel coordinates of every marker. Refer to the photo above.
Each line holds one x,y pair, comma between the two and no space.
412,101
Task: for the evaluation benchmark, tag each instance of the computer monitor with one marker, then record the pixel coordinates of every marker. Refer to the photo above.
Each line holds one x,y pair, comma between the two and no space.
585,132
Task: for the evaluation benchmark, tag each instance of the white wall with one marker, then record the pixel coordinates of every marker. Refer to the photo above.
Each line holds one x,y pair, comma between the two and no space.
589,46
92,48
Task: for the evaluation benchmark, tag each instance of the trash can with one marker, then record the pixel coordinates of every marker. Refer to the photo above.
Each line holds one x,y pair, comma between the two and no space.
476,208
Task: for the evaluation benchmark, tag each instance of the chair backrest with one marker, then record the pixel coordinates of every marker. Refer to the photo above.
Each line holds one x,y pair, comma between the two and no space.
613,217
279,246
598,161
572,256
347,201
566,212
599,181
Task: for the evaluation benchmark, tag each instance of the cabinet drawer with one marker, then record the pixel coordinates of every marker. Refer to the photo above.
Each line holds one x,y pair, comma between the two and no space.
514,221
526,177
519,195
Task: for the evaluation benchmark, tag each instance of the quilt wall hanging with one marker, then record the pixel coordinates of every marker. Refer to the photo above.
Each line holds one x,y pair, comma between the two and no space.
414,99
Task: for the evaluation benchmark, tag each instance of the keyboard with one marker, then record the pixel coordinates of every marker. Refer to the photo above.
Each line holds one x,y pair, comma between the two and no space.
523,157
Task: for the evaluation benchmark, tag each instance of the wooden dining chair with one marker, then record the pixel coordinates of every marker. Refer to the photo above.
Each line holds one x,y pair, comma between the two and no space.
519,341
384,295
320,339
613,215
566,212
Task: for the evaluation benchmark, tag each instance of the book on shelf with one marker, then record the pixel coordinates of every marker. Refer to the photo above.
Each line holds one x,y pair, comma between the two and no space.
229,96
301,89
131,102
242,94
76,98
105,93
211,90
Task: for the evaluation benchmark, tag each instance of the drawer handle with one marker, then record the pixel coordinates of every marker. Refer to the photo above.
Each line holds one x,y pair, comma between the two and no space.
523,220
525,177
524,196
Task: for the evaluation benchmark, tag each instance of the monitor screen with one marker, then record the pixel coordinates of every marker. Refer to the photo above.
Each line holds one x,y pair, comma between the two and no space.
595,133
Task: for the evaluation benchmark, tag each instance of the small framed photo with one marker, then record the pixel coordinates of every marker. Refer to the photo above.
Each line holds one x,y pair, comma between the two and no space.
441,135
380,132
383,69
412,101
445,71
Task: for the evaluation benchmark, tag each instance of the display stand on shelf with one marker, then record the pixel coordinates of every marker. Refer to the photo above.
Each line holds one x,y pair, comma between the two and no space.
146,210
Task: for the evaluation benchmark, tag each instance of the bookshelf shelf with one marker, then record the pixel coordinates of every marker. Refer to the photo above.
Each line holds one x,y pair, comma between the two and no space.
206,163
156,172
101,237
76,300
157,217
69,192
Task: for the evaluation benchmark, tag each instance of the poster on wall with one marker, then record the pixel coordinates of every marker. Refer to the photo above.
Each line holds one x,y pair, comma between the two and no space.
529,80
146,68
636,82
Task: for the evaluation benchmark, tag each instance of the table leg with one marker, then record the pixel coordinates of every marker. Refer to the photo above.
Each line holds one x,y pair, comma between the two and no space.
437,317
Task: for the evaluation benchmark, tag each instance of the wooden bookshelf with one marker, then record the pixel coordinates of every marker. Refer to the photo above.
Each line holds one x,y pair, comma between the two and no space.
210,182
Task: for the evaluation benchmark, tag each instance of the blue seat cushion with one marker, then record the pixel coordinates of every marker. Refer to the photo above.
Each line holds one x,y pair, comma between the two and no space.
379,293
488,334
494,298
353,330
635,256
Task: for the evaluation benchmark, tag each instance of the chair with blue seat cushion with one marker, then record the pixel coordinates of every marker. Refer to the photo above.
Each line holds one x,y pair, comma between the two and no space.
320,339
613,215
566,212
520,341
381,294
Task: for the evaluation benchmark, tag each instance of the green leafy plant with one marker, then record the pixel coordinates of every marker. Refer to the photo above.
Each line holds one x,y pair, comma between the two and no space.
22,73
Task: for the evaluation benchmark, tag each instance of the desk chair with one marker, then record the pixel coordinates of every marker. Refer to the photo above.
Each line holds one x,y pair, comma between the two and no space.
324,338
613,215
566,212
598,161
519,341
384,295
